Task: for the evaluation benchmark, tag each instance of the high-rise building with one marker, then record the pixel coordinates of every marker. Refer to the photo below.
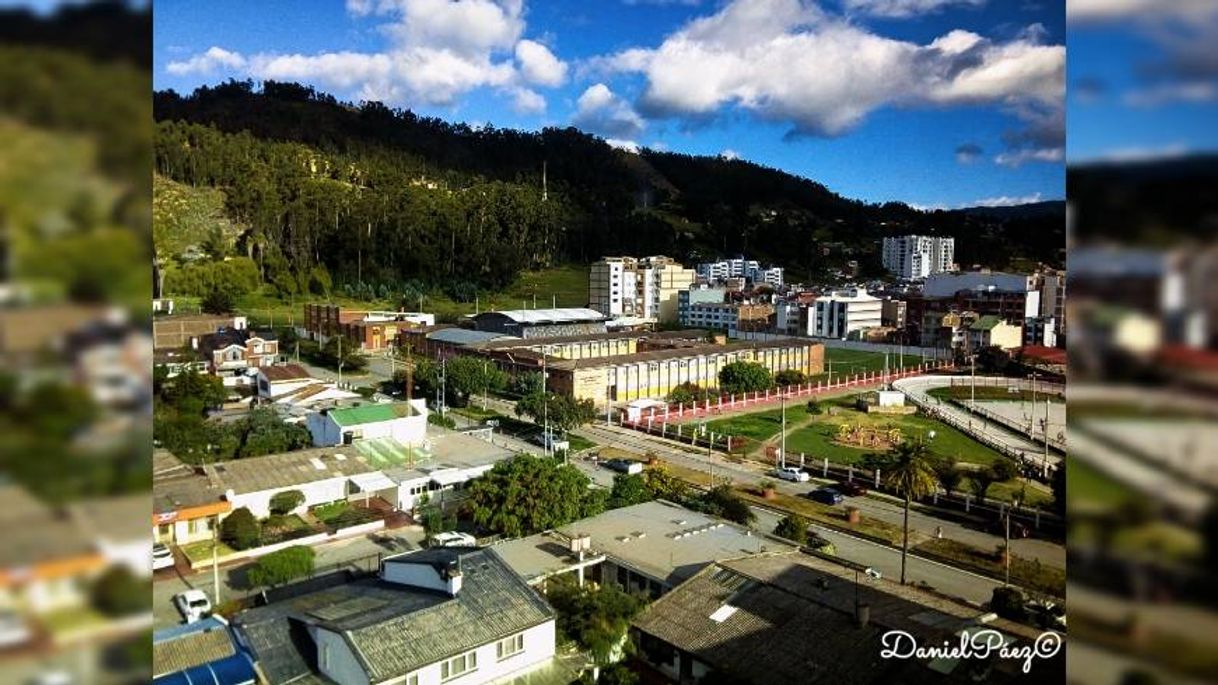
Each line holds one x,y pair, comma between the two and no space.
644,288
914,257
740,267
843,312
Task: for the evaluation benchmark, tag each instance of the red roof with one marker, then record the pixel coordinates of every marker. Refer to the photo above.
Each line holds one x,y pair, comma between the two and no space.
287,372
1189,357
1047,355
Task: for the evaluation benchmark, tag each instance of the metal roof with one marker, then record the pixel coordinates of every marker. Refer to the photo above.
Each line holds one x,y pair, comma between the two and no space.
464,336
372,413
548,315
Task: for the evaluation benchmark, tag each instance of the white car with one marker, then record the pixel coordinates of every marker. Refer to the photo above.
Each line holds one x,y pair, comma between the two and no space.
162,557
13,629
555,443
193,605
453,539
791,473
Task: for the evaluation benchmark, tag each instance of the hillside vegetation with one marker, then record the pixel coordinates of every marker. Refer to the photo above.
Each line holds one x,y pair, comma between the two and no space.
374,202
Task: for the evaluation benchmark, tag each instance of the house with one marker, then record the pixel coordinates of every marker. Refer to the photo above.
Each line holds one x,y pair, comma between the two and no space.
445,463
118,528
405,422
47,559
437,615
179,360
796,618
650,547
183,330
113,359
200,653
274,382
231,352
186,504
367,331
991,331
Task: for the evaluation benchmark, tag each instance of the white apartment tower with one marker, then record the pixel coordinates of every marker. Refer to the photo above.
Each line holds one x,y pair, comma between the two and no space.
844,312
914,257
645,288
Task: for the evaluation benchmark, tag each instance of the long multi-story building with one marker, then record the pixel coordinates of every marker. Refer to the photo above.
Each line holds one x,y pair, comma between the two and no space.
697,294
644,288
844,312
740,267
729,316
914,257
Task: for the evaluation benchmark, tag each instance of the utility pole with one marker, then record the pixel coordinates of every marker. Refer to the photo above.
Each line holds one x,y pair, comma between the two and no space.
782,443
215,561
545,406
340,360
1006,557
1044,468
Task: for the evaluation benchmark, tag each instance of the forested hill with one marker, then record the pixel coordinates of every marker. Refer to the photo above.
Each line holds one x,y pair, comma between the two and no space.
380,195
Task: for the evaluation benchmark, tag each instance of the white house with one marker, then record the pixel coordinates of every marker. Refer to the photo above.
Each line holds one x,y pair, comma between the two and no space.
321,475
440,615
405,422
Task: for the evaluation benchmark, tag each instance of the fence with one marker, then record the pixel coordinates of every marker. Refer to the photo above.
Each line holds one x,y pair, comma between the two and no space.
939,353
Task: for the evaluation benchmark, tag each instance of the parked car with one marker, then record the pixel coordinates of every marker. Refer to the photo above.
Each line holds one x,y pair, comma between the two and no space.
13,629
555,442
453,539
790,473
193,605
162,557
627,466
826,495
1018,530
851,488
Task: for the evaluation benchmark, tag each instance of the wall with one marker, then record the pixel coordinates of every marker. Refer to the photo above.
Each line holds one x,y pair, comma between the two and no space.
931,352
317,492
538,650
335,660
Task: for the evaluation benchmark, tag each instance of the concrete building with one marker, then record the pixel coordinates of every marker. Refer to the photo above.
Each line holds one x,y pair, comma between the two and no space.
645,288
729,316
793,618
366,330
739,267
186,505
539,323
405,422
991,331
945,330
438,615
893,312
647,548
914,257
230,353
697,294
1010,297
844,313
1040,331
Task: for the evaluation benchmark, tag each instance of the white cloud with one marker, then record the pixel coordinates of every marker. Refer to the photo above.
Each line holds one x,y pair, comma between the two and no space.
526,101
436,51
900,9
1017,158
216,58
538,65
1007,201
1121,10
786,60
600,111
1137,154
627,145
729,154
1168,93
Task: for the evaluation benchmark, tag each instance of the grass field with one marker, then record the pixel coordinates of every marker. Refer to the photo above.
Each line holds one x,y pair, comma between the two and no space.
1088,486
964,392
566,286
850,362
817,438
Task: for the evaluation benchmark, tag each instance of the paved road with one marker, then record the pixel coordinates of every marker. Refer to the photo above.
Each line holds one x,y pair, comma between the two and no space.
362,548
918,388
922,526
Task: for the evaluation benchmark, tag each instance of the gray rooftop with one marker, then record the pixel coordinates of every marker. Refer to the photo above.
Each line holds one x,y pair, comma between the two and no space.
464,336
286,470
395,629
658,538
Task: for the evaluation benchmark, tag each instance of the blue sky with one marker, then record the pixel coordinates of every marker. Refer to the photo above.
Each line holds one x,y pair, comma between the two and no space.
932,102
1143,79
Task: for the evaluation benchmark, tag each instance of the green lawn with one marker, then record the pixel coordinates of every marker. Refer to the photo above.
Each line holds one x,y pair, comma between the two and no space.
566,286
817,440
1088,486
988,392
850,362
200,551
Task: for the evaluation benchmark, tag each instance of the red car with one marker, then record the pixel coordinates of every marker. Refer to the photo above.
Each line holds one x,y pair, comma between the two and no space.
851,488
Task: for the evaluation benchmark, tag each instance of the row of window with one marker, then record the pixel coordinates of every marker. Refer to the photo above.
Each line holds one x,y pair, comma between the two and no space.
466,663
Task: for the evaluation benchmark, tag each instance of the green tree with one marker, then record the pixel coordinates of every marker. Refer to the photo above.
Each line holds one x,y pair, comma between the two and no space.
524,384
688,393
794,528
1004,469
663,485
466,376
562,412
327,355
948,472
529,494
740,377
286,501
980,480
722,501
241,530
1009,603
283,566
262,431
628,489
595,618
118,592
910,473
789,377
218,301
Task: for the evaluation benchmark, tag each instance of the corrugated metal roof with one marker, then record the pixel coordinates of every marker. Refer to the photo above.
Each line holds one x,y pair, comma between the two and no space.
549,315
371,413
464,336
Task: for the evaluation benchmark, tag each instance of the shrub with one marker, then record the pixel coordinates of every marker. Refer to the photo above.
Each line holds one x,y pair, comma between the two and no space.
794,528
241,530
813,407
1004,469
1008,602
282,567
217,301
117,592
789,377
438,419
285,502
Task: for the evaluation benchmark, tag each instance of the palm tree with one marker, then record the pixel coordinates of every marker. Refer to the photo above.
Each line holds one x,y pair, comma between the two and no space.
910,472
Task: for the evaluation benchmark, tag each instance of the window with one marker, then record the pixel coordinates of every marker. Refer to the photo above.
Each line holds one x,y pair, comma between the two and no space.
412,679
510,646
459,666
